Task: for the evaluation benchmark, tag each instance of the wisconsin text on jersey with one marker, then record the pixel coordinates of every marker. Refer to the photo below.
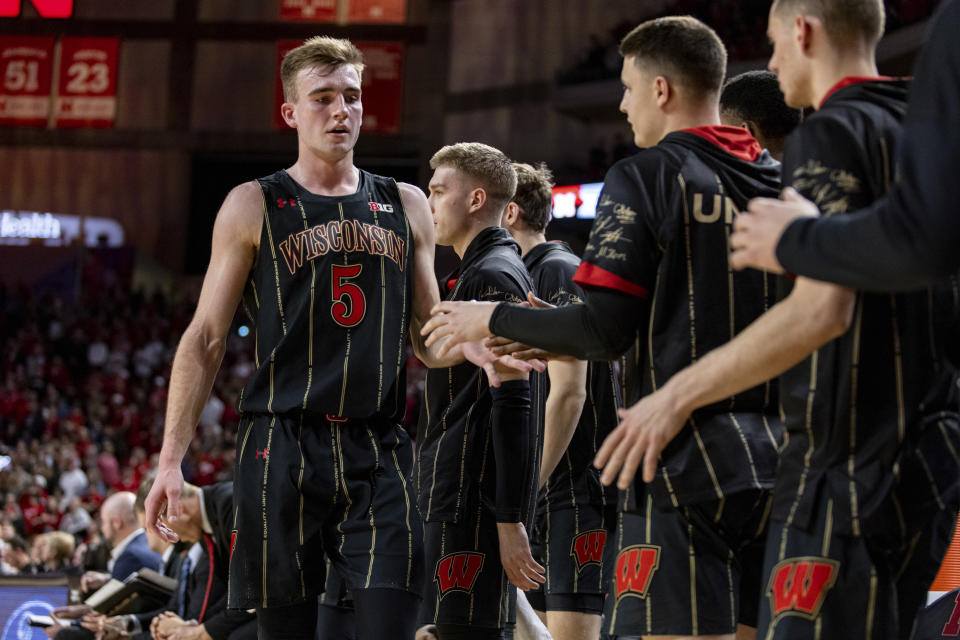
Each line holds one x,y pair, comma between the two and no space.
341,235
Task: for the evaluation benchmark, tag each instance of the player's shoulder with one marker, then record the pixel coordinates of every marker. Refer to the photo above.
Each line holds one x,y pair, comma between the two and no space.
243,208
658,157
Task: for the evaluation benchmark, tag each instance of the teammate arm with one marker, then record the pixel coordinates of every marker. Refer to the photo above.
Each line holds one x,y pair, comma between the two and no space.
813,314
233,253
568,381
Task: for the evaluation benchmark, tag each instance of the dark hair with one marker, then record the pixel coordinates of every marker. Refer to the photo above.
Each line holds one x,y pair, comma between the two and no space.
679,46
841,18
755,97
16,542
534,194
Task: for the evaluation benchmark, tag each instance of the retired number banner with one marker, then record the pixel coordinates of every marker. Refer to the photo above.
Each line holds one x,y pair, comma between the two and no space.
87,95
26,71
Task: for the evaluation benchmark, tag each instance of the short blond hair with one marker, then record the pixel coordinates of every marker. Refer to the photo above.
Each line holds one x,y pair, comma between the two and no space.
489,167
841,18
318,51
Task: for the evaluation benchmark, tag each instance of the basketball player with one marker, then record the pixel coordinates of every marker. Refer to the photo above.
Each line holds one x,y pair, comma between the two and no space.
335,265
478,449
753,100
865,497
656,275
574,511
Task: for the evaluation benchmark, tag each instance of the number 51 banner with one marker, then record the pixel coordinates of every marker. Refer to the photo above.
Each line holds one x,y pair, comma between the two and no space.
87,87
26,69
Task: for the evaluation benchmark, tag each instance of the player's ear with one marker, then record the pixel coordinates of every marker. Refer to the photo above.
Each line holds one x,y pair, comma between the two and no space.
803,27
662,91
511,214
478,198
289,114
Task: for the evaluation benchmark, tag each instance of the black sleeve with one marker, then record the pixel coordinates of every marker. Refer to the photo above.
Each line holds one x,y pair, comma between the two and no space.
601,328
512,446
623,252
911,237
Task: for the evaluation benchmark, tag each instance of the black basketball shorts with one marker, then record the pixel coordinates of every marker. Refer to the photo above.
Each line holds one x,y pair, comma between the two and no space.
570,544
822,584
692,570
305,486
466,584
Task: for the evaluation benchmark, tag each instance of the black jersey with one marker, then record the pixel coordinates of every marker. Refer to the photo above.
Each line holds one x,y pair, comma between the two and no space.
851,406
330,297
456,469
663,221
575,480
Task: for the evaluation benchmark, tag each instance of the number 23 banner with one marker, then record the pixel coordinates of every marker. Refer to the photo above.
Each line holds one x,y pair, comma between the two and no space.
87,88
26,69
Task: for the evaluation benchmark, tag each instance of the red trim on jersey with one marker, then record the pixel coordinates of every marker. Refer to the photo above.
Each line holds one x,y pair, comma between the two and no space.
594,276
451,283
851,80
736,141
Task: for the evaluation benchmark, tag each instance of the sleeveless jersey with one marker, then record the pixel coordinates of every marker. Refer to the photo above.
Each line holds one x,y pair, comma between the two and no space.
330,298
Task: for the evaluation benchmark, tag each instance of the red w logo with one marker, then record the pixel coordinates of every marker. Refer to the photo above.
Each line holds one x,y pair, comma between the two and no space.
458,572
263,453
587,547
798,586
635,568
952,628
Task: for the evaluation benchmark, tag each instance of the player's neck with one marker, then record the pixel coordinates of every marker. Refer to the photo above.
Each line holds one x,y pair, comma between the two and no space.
692,117
474,225
324,177
528,239
834,68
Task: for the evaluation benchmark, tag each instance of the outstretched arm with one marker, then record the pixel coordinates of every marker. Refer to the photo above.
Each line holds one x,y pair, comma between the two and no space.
813,314
601,328
233,253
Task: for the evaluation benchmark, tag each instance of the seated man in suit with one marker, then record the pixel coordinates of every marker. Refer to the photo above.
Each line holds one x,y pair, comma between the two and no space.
129,552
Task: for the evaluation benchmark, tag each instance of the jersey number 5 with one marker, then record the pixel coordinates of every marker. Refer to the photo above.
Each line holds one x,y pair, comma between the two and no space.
349,305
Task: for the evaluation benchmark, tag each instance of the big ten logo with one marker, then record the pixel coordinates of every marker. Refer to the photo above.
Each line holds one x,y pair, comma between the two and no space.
635,568
379,206
798,586
587,548
719,204
46,8
458,572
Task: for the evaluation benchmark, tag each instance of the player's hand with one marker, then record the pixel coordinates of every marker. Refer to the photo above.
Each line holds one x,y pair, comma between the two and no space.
644,432
91,581
495,366
164,499
522,570
459,322
757,231
507,347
